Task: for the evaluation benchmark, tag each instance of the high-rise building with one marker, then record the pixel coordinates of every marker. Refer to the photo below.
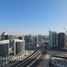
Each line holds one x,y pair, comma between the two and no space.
61,40
19,46
52,39
30,42
65,41
10,48
4,36
39,40
4,50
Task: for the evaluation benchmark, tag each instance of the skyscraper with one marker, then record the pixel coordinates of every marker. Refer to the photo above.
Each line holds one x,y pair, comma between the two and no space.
61,40
15,47
52,39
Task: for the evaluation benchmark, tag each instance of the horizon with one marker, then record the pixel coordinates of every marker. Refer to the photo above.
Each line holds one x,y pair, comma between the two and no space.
33,16
34,34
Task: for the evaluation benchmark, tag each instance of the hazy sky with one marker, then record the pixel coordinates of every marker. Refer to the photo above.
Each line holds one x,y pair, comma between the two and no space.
33,16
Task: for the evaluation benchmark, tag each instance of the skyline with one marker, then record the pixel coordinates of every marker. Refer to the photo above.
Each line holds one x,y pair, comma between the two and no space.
33,16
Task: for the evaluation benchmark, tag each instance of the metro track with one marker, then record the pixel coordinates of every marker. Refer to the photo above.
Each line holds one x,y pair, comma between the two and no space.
29,61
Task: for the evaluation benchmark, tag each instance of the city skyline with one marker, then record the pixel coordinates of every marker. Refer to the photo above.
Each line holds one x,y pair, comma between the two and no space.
33,16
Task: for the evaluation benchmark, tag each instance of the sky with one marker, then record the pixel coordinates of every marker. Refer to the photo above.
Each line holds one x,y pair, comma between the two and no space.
33,16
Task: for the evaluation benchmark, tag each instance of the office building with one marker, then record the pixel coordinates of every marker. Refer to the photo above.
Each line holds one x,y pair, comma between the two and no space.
29,42
39,40
4,36
61,40
52,39
65,41
19,46
4,50
12,47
